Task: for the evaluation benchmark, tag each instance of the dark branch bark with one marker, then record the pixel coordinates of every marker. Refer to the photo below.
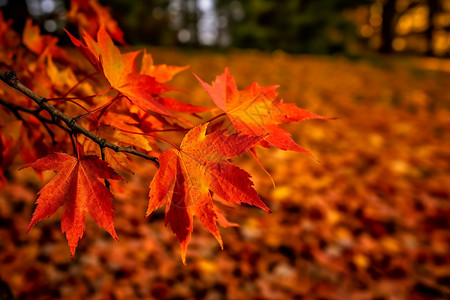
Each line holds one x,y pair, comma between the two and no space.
11,79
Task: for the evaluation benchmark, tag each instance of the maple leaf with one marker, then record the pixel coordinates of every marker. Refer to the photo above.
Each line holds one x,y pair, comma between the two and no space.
187,175
76,187
41,44
89,15
121,71
255,111
141,87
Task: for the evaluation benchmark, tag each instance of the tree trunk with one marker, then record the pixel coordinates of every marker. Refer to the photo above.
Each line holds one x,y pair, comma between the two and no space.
434,7
388,26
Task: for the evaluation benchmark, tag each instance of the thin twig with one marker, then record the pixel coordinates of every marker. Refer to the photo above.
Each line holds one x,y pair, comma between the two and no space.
74,146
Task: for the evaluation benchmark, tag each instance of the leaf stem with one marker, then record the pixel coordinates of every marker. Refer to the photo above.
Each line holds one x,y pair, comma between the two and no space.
216,117
154,136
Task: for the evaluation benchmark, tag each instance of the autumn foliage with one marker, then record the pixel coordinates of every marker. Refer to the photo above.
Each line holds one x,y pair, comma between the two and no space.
370,221
85,120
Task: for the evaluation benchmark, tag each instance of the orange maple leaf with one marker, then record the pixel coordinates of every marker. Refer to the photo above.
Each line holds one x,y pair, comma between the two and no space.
76,187
140,86
88,15
256,111
41,44
187,175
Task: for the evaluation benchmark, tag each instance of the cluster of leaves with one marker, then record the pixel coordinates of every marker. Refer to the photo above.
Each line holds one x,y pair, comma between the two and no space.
118,104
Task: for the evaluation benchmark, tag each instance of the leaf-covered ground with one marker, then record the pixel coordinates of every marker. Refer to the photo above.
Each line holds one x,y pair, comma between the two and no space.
370,221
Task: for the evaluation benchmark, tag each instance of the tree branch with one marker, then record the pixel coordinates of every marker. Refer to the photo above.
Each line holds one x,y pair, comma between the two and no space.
15,108
11,79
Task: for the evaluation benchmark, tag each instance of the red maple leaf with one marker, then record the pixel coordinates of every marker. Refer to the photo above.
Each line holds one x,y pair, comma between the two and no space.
256,111
76,187
187,175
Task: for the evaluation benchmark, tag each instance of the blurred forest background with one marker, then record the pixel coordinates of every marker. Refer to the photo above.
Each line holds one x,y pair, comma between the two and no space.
371,221
350,27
